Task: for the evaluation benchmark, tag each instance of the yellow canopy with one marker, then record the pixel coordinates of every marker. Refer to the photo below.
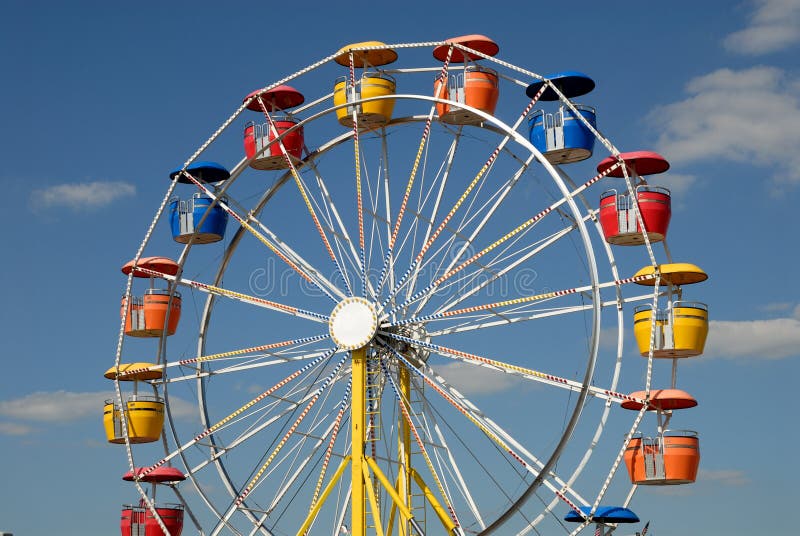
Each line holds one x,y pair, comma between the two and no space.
362,58
134,372
676,273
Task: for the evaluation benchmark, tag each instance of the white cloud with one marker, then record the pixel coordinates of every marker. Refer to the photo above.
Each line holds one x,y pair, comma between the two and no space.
725,477
714,478
66,406
776,307
56,406
748,116
474,379
608,337
774,25
678,185
670,491
181,409
761,339
14,429
81,195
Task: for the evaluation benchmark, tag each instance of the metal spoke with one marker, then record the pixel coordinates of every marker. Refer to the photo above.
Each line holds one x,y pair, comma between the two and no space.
498,198
532,460
516,370
304,194
531,299
219,291
246,225
507,319
211,429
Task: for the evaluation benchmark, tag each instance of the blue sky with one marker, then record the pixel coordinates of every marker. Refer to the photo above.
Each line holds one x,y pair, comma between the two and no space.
101,100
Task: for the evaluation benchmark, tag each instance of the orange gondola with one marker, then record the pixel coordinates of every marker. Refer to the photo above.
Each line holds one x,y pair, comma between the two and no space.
473,85
670,458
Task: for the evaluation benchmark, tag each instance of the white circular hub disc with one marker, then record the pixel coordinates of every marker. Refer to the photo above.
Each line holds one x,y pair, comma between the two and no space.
353,323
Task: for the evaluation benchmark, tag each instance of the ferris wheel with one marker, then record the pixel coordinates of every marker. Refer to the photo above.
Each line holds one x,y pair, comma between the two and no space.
399,305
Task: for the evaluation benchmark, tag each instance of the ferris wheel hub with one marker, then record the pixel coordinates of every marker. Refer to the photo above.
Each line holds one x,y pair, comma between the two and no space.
415,350
353,323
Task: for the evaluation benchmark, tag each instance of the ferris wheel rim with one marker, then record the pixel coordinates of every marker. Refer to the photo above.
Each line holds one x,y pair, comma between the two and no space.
494,124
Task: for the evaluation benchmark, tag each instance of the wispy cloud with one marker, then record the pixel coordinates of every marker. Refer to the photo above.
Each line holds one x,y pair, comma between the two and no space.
724,477
81,195
776,307
475,379
777,338
773,25
747,116
55,406
67,406
609,337
15,429
669,491
705,479
182,409
679,185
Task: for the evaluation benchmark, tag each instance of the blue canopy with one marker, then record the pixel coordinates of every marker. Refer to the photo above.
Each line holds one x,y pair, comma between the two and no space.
604,514
570,83
203,171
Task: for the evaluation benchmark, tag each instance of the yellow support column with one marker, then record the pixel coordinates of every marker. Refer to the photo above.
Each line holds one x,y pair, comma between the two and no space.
373,503
404,447
315,509
357,418
447,523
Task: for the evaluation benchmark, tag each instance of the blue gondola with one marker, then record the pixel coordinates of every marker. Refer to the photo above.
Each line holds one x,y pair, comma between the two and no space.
187,223
562,137
194,219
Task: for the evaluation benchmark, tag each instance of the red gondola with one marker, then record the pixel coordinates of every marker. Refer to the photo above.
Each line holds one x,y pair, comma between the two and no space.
619,220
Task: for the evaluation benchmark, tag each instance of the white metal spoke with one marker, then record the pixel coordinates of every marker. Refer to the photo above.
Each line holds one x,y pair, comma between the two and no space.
254,482
304,194
327,208
505,319
567,199
287,252
272,359
238,296
531,299
492,425
219,424
354,257
497,199
388,207
246,225
376,222
447,167
515,370
493,273
241,354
